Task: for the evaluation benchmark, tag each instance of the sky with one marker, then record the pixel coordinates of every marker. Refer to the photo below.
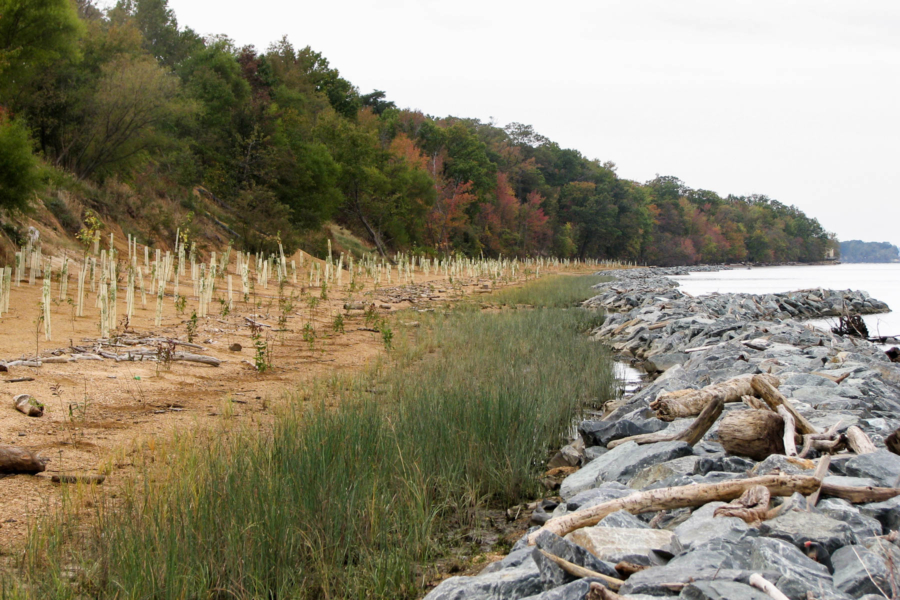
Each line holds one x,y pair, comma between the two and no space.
797,100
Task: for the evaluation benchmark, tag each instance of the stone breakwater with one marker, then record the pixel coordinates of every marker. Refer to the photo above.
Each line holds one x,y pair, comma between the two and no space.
833,381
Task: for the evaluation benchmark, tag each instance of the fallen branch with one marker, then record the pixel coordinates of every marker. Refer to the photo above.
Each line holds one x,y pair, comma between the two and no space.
820,472
790,430
677,497
579,571
859,495
762,385
760,583
691,435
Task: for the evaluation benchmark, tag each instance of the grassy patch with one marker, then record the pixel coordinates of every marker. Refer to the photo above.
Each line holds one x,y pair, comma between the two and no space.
553,291
359,482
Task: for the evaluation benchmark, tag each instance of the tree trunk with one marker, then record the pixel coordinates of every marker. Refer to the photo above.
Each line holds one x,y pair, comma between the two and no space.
756,434
18,460
677,497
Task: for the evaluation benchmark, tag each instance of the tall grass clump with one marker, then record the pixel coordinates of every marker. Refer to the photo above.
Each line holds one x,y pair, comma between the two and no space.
551,291
354,487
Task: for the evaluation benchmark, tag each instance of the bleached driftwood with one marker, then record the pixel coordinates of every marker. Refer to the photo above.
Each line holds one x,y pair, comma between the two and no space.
858,441
677,497
753,433
689,403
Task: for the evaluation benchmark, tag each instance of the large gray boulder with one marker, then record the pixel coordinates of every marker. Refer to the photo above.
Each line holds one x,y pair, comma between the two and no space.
686,465
603,493
887,512
622,519
621,464
508,584
863,526
577,590
552,574
657,581
799,573
882,466
702,527
600,433
797,527
858,571
721,590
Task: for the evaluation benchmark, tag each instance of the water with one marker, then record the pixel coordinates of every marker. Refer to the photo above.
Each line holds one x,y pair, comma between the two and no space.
881,281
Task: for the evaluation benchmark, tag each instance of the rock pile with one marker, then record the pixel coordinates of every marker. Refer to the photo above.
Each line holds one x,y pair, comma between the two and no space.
840,542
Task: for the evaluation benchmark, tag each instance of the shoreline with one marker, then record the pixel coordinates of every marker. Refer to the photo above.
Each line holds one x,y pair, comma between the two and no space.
834,383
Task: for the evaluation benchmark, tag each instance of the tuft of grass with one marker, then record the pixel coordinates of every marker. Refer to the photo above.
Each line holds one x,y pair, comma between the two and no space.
348,500
552,291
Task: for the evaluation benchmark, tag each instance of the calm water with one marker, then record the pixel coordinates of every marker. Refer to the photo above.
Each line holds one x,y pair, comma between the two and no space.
881,281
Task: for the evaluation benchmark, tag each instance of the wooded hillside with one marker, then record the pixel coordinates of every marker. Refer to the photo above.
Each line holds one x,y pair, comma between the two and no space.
128,109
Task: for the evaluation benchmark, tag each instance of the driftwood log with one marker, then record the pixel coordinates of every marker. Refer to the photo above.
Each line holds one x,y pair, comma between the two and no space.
859,495
677,497
28,406
690,403
18,460
820,473
763,387
858,441
753,433
691,435
790,430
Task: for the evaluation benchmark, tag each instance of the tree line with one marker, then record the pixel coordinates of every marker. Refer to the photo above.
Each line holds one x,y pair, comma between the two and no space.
857,251
126,94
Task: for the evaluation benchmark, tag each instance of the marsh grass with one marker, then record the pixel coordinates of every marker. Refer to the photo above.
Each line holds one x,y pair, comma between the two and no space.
356,486
552,291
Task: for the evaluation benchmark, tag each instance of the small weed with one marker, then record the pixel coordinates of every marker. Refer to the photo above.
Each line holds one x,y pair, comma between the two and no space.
262,359
338,325
192,326
371,316
387,335
226,310
180,304
309,335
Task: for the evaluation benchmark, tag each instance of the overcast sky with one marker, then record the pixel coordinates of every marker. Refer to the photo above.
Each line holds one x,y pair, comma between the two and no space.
795,100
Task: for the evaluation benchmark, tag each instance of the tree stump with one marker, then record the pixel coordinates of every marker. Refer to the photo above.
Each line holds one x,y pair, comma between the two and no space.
756,434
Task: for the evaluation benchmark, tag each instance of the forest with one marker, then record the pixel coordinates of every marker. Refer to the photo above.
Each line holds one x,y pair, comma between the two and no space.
128,107
857,251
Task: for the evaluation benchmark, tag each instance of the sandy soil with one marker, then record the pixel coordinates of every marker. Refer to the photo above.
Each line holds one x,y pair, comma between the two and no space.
98,414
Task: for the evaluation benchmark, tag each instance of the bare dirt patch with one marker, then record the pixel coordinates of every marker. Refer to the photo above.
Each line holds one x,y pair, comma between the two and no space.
99,413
